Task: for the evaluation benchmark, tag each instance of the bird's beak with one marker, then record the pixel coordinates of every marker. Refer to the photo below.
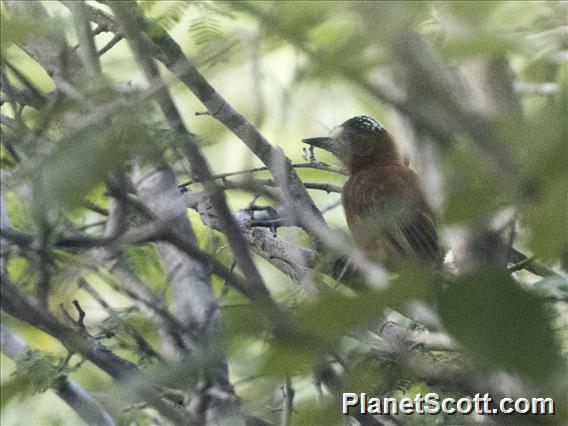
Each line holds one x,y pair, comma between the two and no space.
323,143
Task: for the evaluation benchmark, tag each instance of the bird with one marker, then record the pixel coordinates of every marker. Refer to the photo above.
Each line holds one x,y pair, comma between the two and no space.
385,208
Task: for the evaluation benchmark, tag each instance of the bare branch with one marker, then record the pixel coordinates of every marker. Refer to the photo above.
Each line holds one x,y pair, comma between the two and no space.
23,96
15,304
26,95
311,165
188,278
290,258
258,186
87,48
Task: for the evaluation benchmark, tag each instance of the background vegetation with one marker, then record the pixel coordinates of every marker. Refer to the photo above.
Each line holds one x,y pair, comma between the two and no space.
140,287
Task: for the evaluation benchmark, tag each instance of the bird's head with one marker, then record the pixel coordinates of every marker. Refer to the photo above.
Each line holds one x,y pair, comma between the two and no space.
357,142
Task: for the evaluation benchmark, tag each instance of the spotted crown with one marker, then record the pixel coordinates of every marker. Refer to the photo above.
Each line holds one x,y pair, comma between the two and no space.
363,122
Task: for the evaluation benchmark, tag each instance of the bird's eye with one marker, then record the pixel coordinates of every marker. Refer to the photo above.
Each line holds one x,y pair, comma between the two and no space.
363,122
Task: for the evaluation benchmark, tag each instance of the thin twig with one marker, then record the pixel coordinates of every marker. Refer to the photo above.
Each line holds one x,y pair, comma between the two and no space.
287,402
520,265
531,265
80,321
128,14
141,342
14,303
110,44
166,50
87,407
312,165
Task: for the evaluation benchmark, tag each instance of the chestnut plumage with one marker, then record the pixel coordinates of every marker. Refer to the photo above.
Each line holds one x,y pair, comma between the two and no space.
385,208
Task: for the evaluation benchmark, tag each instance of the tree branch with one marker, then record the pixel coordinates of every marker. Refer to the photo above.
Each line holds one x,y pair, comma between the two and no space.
16,305
310,165
290,258
130,18
163,48
188,278
87,407
53,53
87,48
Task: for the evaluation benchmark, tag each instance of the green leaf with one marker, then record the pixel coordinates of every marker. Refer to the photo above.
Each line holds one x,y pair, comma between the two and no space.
471,12
546,220
18,212
84,160
242,319
320,326
145,261
312,412
480,44
42,370
501,324
471,187
16,387
513,15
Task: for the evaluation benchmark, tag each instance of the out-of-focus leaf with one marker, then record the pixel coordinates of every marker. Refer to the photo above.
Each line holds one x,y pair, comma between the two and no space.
17,30
19,386
293,20
539,71
480,44
291,358
510,15
336,30
542,148
546,222
501,324
386,20
182,374
18,212
42,369
244,320
312,412
334,315
172,14
72,170
368,373
20,270
290,21
545,149
471,188
473,13
81,162
144,260
321,325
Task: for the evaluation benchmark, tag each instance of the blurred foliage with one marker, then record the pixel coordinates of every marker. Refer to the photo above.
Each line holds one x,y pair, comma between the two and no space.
145,262
35,373
87,158
304,67
508,335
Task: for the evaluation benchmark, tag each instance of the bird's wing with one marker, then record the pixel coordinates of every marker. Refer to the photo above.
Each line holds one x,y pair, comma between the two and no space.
388,216
419,233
